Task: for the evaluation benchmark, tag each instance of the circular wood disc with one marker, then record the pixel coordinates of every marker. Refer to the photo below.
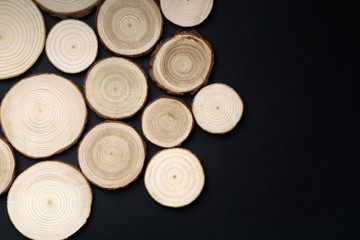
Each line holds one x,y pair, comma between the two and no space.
116,88
167,121
7,166
174,177
186,13
182,63
217,108
50,200
68,8
43,115
71,46
129,27
112,155
22,36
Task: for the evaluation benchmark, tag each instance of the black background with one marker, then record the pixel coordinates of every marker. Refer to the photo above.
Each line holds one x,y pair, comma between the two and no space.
289,169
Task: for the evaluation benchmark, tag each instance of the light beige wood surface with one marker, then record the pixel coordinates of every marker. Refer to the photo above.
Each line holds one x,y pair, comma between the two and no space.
112,155
174,177
71,46
167,121
182,63
186,13
22,36
217,108
49,200
43,115
129,27
116,88
7,166
68,8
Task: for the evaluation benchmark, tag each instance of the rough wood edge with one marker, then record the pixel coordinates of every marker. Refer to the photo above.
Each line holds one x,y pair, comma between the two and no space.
42,48
68,164
78,14
62,149
13,174
124,55
194,33
142,140
174,98
102,115
242,113
203,173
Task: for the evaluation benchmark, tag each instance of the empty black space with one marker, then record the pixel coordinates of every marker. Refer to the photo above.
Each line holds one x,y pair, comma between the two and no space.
289,169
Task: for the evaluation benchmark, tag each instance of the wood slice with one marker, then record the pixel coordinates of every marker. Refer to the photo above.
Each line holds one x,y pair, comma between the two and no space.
7,166
116,88
129,27
182,63
112,155
68,8
174,177
49,200
217,108
22,36
71,46
43,115
186,13
167,121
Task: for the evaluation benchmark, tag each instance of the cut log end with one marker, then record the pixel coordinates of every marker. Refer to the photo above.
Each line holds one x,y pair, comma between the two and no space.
112,155
174,177
182,63
7,166
217,108
167,121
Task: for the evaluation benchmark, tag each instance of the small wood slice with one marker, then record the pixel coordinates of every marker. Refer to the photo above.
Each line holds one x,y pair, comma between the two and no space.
174,177
22,36
217,108
186,13
129,27
71,46
68,8
116,88
167,122
7,166
182,63
43,115
112,155
49,200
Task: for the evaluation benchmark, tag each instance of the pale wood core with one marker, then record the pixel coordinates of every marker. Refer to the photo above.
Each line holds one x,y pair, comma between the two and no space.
116,88
71,46
217,108
112,155
7,166
129,27
167,121
49,200
43,114
174,177
22,36
186,13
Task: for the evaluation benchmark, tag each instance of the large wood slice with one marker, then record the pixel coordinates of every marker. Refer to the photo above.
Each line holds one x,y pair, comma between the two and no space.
71,46
42,115
217,108
116,88
186,13
167,121
129,27
50,200
182,63
174,177
7,166
68,8
22,36
112,155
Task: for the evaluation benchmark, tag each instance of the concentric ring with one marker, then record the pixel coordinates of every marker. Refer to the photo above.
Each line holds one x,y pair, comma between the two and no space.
7,166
